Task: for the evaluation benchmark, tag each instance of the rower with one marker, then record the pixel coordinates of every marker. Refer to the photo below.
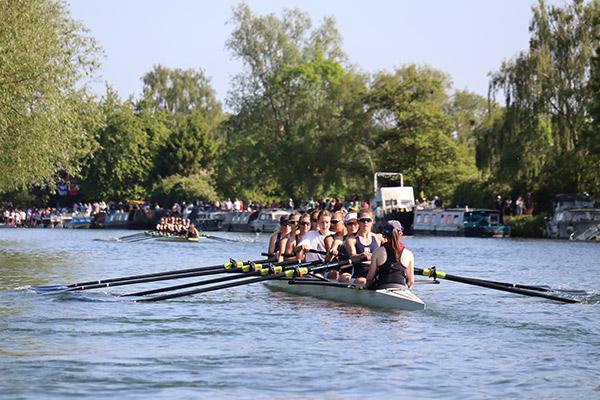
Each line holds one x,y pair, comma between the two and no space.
334,241
392,265
293,220
364,244
275,242
351,220
192,232
315,240
296,236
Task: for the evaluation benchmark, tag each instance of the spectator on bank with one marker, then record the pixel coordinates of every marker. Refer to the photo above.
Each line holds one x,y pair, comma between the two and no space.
528,204
508,206
519,205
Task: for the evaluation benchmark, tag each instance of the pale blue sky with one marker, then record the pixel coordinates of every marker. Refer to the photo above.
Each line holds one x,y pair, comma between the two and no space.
465,38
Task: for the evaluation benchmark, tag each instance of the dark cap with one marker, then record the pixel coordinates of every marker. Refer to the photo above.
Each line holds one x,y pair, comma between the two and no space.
284,218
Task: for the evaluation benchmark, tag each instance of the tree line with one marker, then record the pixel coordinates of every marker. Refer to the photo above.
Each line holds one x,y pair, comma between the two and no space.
303,121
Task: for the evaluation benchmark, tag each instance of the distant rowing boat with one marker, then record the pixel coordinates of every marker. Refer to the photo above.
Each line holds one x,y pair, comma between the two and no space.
165,237
402,299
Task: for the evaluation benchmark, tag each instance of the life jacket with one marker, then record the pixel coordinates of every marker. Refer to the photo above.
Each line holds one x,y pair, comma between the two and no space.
391,272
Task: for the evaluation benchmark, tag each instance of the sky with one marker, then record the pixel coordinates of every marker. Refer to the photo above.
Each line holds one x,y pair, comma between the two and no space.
467,39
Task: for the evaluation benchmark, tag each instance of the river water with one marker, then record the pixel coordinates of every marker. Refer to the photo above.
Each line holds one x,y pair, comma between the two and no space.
251,343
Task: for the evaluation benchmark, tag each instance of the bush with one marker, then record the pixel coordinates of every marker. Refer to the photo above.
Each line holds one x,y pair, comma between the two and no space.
528,226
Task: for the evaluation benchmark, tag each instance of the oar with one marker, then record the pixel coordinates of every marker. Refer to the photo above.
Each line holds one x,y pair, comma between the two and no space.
137,281
132,236
431,272
270,274
222,239
256,269
140,239
231,264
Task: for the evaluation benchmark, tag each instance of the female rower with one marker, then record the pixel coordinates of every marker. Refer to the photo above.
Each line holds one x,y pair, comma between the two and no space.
364,243
352,230
392,265
295,237
315,240
334,241
161,226
314,220
275,248
293,220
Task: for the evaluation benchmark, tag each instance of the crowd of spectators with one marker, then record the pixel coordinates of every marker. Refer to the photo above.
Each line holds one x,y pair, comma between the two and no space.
41,216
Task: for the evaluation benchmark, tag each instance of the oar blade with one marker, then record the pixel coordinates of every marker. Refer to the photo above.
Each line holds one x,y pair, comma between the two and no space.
50,289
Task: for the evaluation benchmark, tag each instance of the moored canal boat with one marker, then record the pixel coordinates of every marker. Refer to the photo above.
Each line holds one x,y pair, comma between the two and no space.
474,222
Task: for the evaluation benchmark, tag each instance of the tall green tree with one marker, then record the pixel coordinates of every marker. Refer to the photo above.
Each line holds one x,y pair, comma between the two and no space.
184,102
296,109
546,95
119,169
592,134
415,133
46,115
179,91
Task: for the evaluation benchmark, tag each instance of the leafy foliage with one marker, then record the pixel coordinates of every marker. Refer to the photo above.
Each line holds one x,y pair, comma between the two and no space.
120,168
46,116
414,130
539,144
177,188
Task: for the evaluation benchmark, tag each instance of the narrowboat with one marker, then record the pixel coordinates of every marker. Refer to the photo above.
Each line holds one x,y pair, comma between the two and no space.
460,222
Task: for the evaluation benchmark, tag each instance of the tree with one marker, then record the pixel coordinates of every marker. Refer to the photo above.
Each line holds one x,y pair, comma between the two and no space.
296,109
539,144
184,102
119,169
178,91
184,188
46,115
413,130
190,149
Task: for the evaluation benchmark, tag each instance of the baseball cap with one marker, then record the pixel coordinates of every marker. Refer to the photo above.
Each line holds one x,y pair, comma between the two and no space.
351,217
391,225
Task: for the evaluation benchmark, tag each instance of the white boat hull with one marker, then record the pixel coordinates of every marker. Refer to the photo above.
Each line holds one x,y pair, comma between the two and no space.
402,299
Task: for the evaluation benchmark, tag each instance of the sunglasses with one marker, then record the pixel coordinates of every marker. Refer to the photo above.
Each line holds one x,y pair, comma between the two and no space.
314,220
292,222
365,220
334,221
305,223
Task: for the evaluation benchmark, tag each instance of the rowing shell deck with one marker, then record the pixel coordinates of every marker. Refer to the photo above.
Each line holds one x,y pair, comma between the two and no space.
402,299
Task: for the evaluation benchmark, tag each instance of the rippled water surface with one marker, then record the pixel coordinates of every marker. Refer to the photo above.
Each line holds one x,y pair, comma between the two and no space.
249,342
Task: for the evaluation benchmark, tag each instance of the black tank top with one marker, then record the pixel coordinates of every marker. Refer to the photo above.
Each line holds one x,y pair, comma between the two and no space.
277,242
391,272
361,270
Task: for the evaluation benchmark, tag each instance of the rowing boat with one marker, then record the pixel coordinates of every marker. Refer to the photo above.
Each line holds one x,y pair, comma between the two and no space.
177,239
402,299
166,237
